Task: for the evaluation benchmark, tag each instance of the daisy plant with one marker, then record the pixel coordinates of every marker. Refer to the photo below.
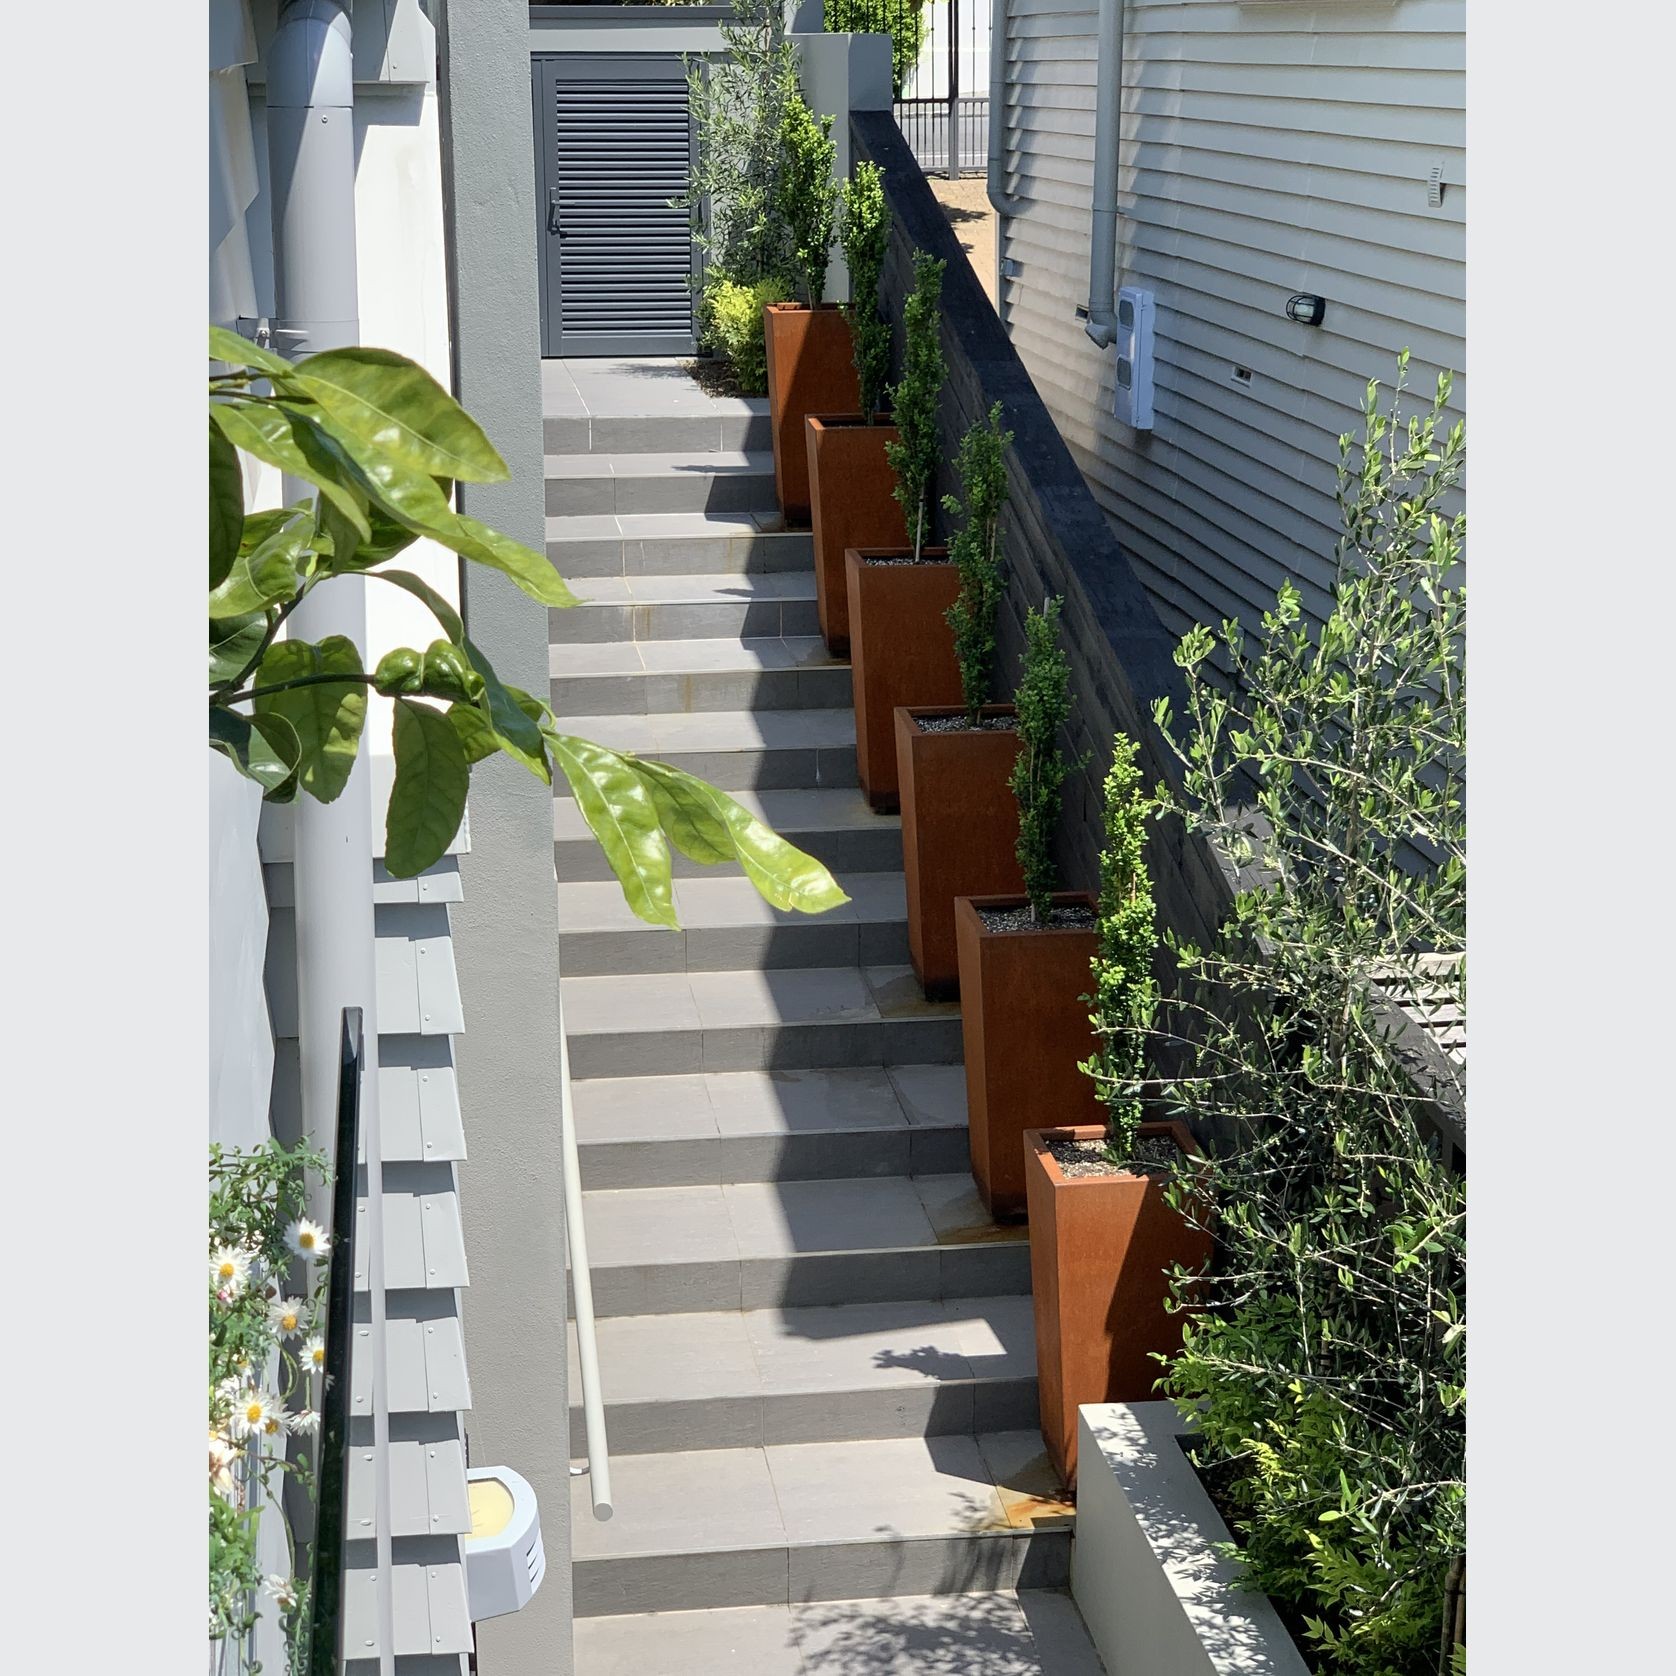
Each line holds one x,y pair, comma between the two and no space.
266,1293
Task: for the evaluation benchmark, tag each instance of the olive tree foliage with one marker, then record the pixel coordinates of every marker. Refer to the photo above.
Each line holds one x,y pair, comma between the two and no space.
864,232
914,455
1125,998
1325,1356
1038,777
975,552
383,444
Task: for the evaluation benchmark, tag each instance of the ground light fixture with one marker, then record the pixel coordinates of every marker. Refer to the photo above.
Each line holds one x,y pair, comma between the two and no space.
505,1560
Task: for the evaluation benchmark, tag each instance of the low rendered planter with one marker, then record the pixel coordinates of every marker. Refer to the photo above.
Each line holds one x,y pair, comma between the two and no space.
810,370
1152,1589
1100,1250
959,828
901,652
851,504
1025,1026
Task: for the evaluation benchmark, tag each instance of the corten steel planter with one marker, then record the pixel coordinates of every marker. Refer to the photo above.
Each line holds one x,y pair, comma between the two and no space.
1101,1248
959,831
901,653
810,370
851,504
1025,1026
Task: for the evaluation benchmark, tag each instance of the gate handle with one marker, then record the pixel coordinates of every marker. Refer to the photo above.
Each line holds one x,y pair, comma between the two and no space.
553,211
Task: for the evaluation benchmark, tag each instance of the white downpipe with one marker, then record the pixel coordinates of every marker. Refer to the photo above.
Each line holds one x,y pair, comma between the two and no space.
1004,202
1108,138
582,1284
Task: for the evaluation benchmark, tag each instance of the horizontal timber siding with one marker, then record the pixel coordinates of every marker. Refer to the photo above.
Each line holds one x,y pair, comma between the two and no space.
1267,149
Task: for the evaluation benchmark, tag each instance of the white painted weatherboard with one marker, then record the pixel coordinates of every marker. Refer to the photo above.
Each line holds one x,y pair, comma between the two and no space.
1266,150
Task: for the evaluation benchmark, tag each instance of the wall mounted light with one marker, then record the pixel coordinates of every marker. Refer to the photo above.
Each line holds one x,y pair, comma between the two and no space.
1306,308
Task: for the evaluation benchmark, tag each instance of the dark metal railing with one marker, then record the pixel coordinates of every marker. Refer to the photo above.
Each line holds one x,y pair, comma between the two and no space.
332,1480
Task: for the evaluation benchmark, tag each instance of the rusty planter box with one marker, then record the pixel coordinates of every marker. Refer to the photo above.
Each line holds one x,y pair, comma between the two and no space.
851,504
901,653
810,370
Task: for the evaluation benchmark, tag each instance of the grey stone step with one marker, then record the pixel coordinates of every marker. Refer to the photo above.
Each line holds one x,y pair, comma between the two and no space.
704,1129
791,1020
580,484
792,1523
633,677
734,749
688,606
726,925
742,425
781,1244
695,542
1005,1632
834,824
735,1379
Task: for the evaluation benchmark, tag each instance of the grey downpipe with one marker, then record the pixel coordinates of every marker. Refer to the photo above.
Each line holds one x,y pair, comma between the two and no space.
311,170
1108,138
1003,202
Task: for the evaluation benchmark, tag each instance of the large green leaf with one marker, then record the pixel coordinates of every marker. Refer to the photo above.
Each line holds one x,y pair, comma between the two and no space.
233,642
516,730
350,553
241,352
476,735
287,439
263,748
707,825
622,816
389,403
440,608
327,717
268,570
428,798
226,506
413,499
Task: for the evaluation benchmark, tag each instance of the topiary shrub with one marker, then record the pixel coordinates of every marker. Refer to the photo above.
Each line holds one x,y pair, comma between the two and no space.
914,455
731,314
1044,706
810,194
975,551
1325,1358
1125,998
864,231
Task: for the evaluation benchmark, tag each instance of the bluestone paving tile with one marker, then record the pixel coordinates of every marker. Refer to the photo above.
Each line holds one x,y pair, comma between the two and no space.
643,1108
680,1502
724,1641
796,1102
674,1357
932,1095
740,1000
853,1347
659,1225
935,1635
776,1219
955,1210
997,1336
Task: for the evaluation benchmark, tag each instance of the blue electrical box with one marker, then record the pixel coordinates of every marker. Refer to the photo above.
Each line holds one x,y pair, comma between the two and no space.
1132,400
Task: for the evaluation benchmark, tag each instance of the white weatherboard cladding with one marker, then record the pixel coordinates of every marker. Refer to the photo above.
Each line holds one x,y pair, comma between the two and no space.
1266,149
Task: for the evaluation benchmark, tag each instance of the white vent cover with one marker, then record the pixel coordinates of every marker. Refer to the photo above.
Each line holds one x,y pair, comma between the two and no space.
505,1561
1132,392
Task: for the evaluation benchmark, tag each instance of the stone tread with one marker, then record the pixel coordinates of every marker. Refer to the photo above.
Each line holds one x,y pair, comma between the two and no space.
723,900
1007,1632
793,810
680,731
691,525
700,588
758,655
731,462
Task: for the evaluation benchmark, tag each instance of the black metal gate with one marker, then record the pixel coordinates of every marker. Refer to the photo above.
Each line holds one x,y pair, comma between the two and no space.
940,68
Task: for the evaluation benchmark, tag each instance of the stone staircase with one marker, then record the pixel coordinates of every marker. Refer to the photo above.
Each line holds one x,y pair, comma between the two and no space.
817,1351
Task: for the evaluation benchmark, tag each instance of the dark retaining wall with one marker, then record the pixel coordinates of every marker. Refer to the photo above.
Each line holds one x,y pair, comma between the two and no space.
1058,542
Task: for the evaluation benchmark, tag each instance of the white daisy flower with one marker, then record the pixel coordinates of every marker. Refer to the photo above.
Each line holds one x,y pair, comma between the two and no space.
283,1591
314,1354
307,1239
304,1423
286,1316
229,1270
252,1411
223,1456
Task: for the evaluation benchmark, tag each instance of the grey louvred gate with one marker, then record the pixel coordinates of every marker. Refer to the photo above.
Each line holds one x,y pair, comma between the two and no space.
616,260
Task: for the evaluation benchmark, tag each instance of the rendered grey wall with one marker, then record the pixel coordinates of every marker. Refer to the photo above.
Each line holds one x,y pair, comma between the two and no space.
506,930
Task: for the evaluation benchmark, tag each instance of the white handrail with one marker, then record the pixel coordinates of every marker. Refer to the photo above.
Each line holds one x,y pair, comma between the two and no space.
581,1280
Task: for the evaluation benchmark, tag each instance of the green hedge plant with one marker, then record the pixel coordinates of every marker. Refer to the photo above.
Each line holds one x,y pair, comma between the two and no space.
383,444
1044,706
1325,1358
1125,998
811,195
975,552
864,231
914,455
902,20
733,324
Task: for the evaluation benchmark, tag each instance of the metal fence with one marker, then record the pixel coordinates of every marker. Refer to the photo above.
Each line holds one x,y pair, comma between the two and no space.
940,65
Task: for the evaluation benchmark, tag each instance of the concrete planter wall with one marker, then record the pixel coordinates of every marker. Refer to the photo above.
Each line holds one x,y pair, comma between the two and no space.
1157,1598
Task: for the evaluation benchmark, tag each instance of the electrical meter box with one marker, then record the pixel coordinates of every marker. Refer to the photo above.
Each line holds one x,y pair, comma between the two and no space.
1132,399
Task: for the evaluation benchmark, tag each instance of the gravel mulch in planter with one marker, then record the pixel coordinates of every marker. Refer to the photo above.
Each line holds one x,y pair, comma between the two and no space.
881,559
1072,918
959,724
1156,1155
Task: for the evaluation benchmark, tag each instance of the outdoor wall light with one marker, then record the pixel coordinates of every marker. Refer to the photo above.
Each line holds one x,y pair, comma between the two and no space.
505,1560
1306,308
